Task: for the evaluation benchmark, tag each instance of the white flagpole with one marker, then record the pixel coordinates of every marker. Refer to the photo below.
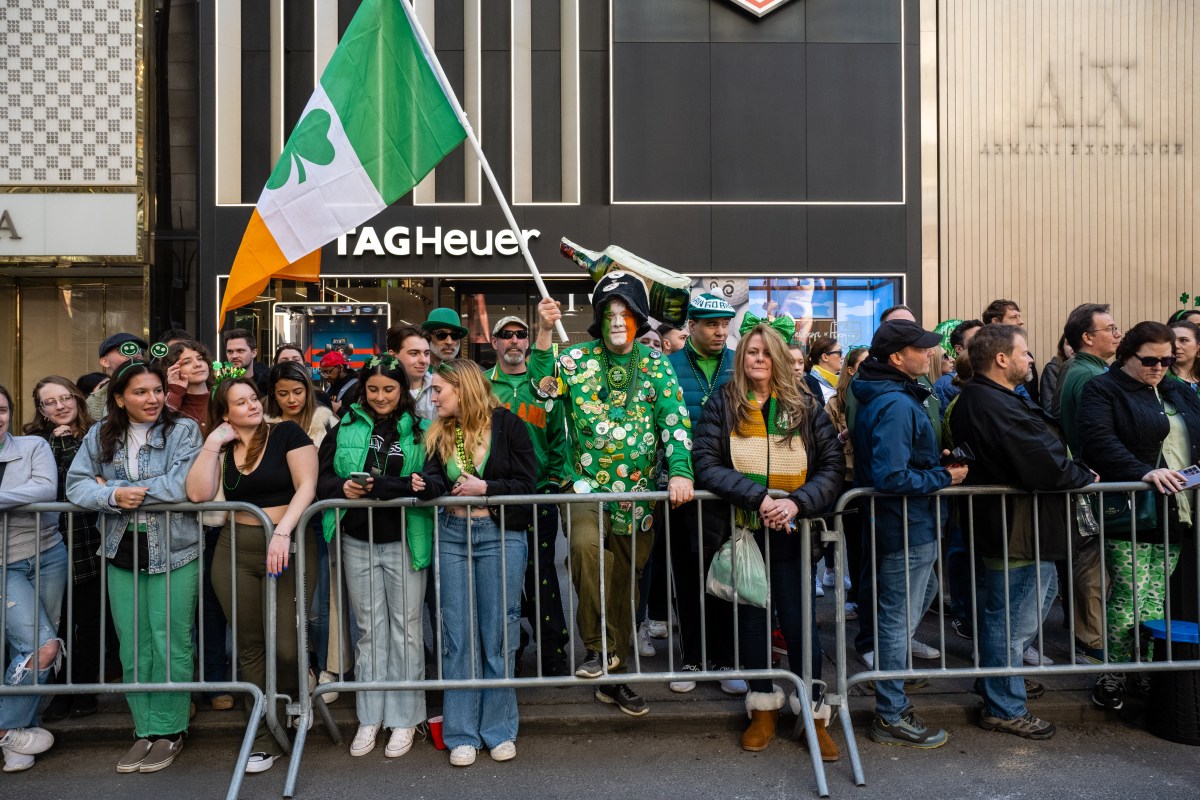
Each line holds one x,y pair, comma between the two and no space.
431,57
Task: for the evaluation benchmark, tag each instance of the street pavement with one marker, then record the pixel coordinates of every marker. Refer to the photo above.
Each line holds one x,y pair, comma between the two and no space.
1096,762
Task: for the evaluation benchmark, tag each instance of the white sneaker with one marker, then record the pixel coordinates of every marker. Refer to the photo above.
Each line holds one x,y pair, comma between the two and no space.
16,762
364,740
829,578
683,687
328,677
819,589
922,650
657,628
400,742
464,755
27,741
644,645
1032,657
868,658
734,686
505,751
259,762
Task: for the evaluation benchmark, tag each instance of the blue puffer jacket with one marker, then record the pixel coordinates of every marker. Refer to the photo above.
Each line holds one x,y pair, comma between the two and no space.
899,454
686,373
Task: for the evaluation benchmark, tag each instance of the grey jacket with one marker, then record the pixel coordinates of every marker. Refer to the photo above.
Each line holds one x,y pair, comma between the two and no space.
30,476
163,464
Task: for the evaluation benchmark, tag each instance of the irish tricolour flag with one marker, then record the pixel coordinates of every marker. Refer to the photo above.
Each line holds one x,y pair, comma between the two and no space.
376,125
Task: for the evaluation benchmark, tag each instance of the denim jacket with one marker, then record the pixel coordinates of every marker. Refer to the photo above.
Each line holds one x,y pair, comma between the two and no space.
28,477
163,464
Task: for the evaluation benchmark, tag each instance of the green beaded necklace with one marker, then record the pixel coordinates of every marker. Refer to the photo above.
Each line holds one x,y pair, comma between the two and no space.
465,462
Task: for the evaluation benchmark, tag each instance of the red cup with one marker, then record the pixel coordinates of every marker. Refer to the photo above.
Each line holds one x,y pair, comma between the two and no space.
435,732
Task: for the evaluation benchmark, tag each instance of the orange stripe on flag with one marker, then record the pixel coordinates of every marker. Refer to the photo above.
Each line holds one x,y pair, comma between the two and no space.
258,260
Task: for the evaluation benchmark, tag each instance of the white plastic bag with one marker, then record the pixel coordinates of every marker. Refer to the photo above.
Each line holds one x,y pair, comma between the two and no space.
739,557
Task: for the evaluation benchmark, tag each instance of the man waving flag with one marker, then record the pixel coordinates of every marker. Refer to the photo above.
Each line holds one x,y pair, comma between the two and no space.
376,124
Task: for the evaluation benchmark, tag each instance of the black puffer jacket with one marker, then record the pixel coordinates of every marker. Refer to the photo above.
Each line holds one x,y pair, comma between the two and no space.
714,470
1123,422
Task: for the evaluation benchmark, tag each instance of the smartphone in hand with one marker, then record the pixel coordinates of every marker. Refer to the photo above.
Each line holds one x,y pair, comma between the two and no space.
360,478
959,456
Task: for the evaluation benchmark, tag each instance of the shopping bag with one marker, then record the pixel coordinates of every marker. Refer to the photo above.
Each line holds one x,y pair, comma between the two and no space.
739,557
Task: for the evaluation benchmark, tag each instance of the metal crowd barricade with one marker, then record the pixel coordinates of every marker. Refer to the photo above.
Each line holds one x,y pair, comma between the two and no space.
967,497
103,686
306,707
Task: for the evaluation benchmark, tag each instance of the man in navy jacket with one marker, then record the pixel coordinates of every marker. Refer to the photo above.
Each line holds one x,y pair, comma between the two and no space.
896,451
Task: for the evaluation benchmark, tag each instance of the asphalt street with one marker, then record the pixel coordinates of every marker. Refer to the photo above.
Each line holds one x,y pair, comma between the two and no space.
1097,762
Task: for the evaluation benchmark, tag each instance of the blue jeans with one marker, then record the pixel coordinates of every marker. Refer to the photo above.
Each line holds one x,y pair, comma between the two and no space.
1005,697
898,615
33,610
318,618
388,595
481,577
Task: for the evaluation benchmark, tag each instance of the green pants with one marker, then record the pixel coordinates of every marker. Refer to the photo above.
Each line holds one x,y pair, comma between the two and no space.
147,633
624,557
1146,581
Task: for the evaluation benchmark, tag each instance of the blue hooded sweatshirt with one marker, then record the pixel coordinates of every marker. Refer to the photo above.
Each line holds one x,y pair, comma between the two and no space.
898,450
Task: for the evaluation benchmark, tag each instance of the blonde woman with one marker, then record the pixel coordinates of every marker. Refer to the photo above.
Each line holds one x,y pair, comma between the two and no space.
477,448
760,431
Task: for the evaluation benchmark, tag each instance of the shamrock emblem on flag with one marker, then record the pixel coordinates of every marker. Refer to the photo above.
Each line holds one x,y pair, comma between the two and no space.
309,142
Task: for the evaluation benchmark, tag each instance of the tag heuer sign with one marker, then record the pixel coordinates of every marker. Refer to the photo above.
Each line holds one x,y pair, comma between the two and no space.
759,7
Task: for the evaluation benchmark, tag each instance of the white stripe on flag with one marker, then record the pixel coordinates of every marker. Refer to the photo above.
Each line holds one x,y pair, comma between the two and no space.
332,199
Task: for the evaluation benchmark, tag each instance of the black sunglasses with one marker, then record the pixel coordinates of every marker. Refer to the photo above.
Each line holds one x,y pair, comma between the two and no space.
443,334
1151,361
518,334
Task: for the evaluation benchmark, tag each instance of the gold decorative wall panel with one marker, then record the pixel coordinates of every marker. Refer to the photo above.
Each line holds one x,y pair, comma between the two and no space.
1067,168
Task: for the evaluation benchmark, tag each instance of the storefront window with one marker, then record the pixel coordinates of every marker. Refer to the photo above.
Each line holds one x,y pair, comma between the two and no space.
846,308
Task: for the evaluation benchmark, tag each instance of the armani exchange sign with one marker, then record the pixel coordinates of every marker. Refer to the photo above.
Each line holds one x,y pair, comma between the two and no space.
759,7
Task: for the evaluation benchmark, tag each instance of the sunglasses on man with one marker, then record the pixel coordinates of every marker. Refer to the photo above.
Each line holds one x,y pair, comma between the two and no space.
444,334
517,334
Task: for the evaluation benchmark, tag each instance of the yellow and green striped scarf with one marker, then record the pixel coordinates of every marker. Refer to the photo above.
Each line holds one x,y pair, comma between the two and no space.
762,456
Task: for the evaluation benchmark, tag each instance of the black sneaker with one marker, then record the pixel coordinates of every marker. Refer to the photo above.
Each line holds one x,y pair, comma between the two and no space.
593,665
621,695
1033,689
1027,726
1109,693
963,628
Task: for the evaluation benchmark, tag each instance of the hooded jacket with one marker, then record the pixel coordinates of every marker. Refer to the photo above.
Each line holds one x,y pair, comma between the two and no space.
1016,443
896,451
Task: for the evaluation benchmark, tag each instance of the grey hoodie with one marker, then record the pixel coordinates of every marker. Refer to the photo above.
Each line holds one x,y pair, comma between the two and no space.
30,476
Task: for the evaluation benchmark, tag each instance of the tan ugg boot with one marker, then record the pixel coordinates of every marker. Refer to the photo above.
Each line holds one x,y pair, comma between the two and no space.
763,710
822,716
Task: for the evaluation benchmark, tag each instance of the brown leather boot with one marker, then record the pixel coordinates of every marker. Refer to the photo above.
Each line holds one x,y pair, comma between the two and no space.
761,730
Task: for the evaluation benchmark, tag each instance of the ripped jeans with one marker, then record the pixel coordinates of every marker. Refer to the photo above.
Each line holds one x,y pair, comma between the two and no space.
476,587
32,608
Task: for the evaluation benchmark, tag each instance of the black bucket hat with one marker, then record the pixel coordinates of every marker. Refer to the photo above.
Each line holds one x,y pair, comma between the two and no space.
630,289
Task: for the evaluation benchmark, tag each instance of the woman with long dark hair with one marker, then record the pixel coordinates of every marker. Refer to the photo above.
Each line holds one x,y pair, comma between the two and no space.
61,418
141,453
291,397
479,448
34,561
272,466
385,559
760,431
1136,426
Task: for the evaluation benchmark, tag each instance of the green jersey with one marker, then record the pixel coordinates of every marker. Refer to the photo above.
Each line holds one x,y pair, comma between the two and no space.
543,413
614,431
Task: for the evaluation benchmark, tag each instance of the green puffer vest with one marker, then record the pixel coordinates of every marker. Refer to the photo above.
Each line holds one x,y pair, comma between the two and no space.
353,437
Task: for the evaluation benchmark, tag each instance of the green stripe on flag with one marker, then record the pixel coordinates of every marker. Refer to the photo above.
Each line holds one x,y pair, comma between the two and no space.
388,99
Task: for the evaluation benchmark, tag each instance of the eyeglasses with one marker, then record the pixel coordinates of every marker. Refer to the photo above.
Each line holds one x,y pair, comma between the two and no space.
1112,329
506,335
444,334
1150,361
61,400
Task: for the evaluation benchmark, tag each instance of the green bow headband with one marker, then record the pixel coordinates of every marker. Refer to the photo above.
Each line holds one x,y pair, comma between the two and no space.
225,371
784,325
